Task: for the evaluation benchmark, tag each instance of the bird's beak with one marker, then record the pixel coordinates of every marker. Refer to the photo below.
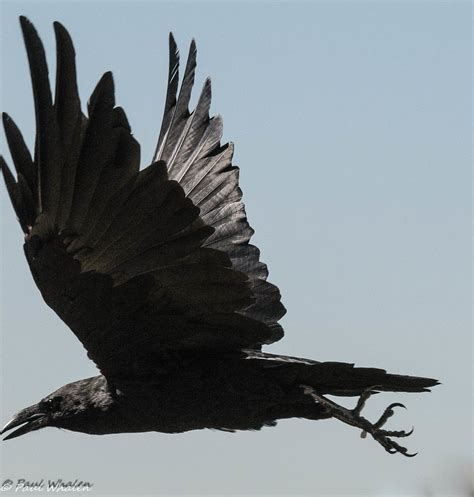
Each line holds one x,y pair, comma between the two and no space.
31,418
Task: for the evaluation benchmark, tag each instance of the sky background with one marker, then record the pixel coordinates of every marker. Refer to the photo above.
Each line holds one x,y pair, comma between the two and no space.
352,124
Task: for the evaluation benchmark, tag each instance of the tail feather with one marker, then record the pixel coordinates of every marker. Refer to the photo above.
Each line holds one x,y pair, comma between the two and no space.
338,378
347,380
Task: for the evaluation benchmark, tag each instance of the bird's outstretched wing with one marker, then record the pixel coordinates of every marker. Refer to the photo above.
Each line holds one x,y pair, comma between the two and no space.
139,264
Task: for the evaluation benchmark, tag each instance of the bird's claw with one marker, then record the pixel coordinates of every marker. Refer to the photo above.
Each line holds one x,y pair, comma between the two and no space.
353,417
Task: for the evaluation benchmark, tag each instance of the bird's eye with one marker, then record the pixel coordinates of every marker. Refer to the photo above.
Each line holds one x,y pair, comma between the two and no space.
53,403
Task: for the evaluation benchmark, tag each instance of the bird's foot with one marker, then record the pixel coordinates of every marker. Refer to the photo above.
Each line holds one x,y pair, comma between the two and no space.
353,417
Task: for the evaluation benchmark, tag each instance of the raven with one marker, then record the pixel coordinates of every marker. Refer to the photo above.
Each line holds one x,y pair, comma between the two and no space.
153,271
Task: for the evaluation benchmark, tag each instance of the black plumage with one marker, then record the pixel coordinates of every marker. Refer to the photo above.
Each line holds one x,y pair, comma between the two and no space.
153,271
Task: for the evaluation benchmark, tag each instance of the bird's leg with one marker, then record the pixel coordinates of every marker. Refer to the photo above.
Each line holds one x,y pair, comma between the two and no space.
353,417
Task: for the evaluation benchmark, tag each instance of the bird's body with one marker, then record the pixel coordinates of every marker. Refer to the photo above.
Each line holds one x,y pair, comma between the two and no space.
153,271
226,393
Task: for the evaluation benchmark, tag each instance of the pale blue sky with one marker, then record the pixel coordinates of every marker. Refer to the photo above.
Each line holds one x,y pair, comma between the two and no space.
351,122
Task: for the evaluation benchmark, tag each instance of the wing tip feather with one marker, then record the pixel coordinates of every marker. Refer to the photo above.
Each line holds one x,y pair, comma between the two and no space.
28,28
105,89
24,21
63,36
172,40
6,171
6,119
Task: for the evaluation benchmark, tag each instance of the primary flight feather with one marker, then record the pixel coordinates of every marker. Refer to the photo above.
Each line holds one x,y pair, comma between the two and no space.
154,272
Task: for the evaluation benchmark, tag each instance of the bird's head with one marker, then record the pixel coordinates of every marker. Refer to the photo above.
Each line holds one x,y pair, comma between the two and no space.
72,407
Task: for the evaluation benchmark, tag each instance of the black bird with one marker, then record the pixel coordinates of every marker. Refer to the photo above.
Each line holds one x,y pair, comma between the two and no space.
153,271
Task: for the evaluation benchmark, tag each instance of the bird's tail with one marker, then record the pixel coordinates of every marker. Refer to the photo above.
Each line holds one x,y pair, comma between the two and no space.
339,378
316,379
344,379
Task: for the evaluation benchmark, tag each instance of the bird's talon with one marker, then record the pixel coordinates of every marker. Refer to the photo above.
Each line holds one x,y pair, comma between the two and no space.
366,394
398,434
388,413
396,404
354,418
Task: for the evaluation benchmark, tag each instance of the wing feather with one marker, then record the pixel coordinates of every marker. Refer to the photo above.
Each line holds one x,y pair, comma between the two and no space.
172,91
66,102
47,139
137,263
179,112
15,195
209,179
98,150
20,154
